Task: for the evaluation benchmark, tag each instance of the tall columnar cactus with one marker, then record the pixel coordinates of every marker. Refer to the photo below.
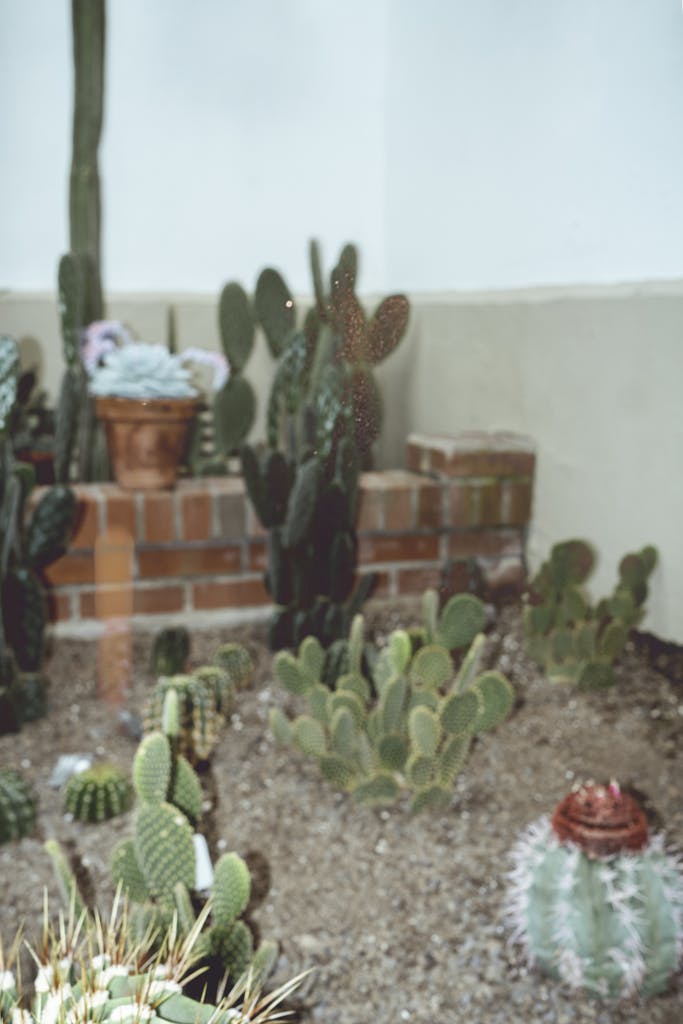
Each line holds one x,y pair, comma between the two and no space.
17,806
26,548
411,724
98,793
594,901
79,282
574,641
324,414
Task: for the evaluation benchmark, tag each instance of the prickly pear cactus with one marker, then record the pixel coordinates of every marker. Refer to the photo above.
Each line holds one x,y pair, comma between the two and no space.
572,639
594,901
97,794
408,727
234,405
17,806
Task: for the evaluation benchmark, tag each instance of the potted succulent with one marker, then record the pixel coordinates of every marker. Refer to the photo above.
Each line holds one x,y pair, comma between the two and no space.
145,398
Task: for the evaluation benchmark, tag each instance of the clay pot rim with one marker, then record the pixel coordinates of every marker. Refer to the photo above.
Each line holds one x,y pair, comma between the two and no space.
120,407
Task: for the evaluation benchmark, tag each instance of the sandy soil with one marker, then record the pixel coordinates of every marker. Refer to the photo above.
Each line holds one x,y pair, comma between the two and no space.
400,916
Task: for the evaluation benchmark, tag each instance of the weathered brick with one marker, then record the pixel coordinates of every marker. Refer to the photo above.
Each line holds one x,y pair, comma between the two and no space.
87,520
472,453
460,505
195,514
158,518
113,602
59,605
199,561
398,509
230,514
418,579
486,504
516,502
257,556
429,511
74,567
485,543
228,594
407,548
120,512
150,600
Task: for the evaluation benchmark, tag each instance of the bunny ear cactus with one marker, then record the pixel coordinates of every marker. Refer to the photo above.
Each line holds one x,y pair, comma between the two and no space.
595,902
574,640
234,404
409,726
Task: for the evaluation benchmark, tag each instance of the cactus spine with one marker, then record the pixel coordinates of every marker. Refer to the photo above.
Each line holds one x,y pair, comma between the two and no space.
610,923
574,641
409,726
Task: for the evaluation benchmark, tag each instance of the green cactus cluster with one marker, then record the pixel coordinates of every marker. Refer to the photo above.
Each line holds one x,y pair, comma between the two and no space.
324,414
157,867
572,639
609,926
17,806
204,700
410,724
28,544
98,793
95,970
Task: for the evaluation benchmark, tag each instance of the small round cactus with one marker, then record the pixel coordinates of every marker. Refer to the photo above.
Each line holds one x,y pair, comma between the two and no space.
97,794
17,806
596,902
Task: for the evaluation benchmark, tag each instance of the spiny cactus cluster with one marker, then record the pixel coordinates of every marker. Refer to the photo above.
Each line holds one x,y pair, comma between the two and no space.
574,641
98,793
92,971
28,545
324,414
17,806
204,700
595,902
409,725
158,867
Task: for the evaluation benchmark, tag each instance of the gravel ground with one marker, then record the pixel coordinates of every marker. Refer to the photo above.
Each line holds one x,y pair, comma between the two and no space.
399,916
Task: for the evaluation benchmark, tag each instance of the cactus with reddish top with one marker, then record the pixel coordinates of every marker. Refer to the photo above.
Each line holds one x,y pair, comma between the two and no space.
594,900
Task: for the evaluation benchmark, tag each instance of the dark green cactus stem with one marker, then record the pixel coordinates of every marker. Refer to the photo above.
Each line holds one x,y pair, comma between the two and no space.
170,651
234,405
88,24
17,806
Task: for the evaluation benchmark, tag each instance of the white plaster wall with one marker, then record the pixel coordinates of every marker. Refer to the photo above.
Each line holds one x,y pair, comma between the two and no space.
533,141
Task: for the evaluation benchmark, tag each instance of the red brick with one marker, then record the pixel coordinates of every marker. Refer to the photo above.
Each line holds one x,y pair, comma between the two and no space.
120,512
158,518
87,522
460,509
485,543
148,600
195,511
471,453
429,505
113,602
369,511
417,580
257,556
58,606
86,604
114,556
408,548
177,561
74,567
487,504
229,594
516,502
231,511
398,509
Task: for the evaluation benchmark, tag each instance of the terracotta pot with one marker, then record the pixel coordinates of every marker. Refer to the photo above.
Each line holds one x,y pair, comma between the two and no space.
146,438
601,821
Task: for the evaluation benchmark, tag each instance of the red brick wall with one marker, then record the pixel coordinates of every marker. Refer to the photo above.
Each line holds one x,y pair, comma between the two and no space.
201,547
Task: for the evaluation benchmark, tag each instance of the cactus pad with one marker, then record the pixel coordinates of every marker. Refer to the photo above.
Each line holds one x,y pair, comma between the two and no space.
164,848
231,888
152,768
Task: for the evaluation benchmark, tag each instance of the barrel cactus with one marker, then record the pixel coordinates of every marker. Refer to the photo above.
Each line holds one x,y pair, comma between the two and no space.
17,806
170,651
97,794
595,901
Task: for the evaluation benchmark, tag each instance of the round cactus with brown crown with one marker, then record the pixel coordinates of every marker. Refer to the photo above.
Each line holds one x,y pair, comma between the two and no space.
595,900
